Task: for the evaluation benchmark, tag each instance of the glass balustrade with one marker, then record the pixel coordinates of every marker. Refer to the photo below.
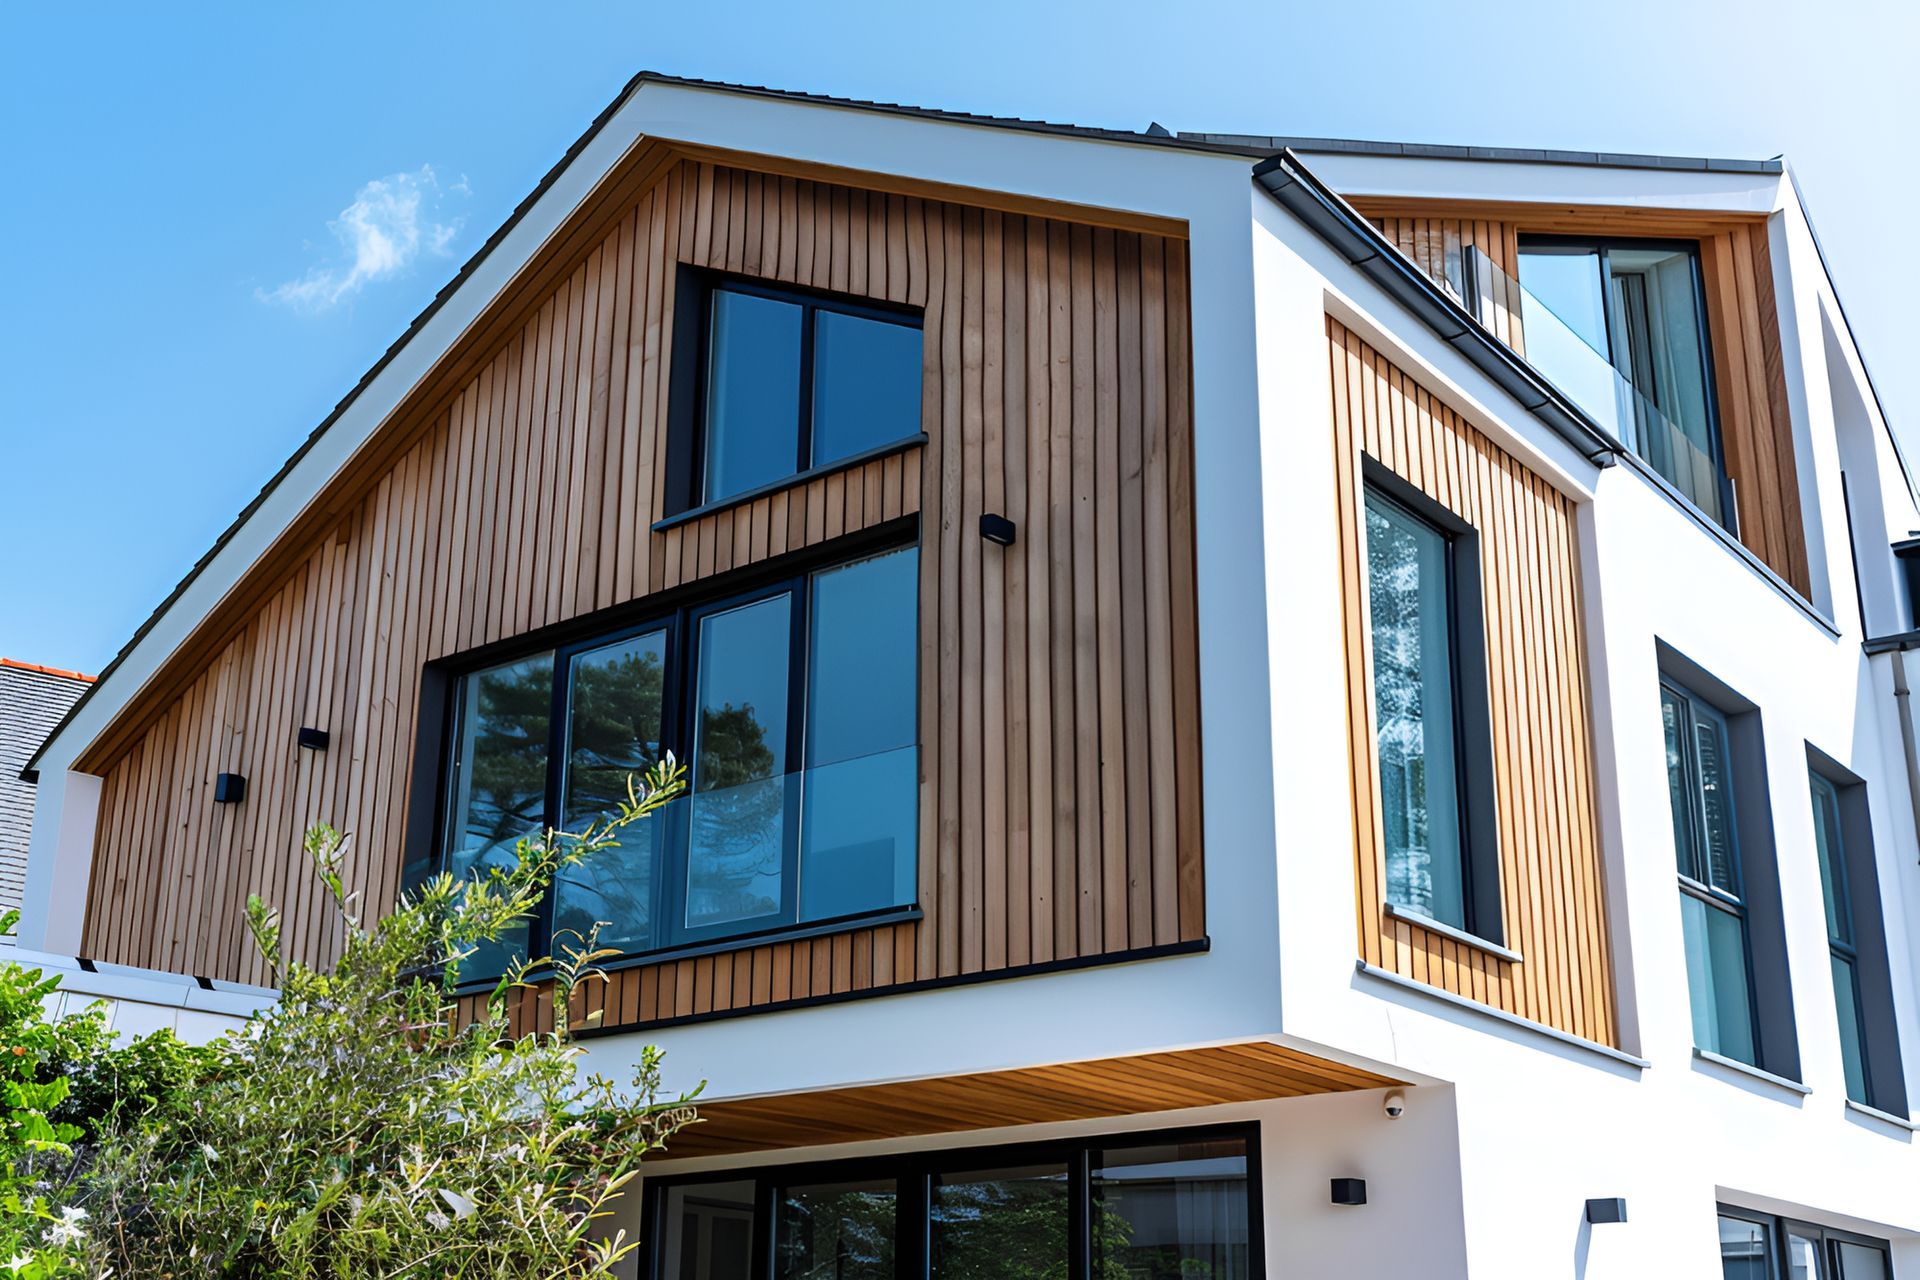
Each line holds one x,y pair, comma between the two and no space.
1681,453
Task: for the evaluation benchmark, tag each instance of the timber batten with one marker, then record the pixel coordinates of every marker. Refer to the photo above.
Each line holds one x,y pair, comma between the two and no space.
1059,704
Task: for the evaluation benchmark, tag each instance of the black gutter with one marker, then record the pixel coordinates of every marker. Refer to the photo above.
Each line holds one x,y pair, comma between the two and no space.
1503,155
1899,642
1325,212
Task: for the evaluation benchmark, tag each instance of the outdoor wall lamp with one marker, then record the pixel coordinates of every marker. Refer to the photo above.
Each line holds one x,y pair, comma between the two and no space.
1610,1209
997,529
1349,1190
229,788
313,739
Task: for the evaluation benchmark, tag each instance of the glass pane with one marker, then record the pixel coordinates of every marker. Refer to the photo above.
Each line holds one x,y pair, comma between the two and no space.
1744,1247
709,1231
1862,1261
1716,800
753,393
1675,716
1413,711
1846,1002
861,802
736,850
1833,860
613,732
1803,1259
1175,1212
866,384
1001,1224
837,1232
1717,978
1657,338
499,780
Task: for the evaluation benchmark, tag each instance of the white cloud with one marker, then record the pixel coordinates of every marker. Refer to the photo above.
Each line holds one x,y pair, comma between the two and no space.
389,222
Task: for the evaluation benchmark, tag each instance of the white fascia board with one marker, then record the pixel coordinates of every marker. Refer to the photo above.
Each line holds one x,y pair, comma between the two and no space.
1162,181
1439,179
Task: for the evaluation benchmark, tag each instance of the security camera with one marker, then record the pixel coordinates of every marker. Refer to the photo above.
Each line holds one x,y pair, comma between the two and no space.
1395,1105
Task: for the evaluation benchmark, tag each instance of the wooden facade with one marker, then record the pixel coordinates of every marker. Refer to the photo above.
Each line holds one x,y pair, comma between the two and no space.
1742,322
1059,800
1552,899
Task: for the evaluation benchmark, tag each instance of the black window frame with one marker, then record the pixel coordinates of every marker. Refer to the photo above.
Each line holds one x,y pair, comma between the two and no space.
1472,728
677,612
1709,380
1829,1239
1769,980
686,461
913,1173
1866,949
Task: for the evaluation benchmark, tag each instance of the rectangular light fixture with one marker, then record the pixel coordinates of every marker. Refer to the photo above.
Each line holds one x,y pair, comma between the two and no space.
997,529
229,788
1349,1190
313,739
1608,1209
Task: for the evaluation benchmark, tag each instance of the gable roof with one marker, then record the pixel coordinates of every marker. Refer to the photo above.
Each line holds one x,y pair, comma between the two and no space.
33,699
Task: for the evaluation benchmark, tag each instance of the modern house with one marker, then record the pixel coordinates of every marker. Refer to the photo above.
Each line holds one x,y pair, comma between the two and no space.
1257,706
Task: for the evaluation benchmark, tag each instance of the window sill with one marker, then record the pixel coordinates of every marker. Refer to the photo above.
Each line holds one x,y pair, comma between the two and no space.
1751,1072
1617,1056
1448,931
718,946
1882,1117
789,482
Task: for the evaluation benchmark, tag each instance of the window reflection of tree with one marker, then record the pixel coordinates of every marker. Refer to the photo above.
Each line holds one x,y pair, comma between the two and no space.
507,764
613,732
737,812
1393,570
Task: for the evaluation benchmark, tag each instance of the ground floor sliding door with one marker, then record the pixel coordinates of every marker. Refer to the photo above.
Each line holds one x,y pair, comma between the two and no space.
1159,1206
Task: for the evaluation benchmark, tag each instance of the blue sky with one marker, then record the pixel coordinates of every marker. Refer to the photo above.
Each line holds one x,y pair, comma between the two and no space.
216,218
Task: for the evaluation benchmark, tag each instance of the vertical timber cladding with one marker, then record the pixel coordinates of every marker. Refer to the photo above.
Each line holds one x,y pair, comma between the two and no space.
1059,720
1550,872
1742,321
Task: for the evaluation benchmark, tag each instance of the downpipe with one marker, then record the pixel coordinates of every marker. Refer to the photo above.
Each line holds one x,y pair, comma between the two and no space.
1903,699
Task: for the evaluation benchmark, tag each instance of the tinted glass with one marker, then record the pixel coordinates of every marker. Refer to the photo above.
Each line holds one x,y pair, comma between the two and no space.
1568,281
1846,1003
709,1232
1677,720
835,1232
1833,864
861,801
753,393
1657,341
1861,1261
1803,1258
736,849
1744,1250
866,384
613,732
1173,1212
499,778
1001,1224
1413,711
1716,799
1716,944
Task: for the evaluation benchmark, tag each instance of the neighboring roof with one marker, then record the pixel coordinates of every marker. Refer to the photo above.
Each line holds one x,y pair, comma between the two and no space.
33,698
1510,155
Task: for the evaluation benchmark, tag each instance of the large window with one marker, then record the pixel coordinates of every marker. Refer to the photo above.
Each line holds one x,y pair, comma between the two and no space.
794,705
784,382
1856,940
1638,308
1430,711
1757,1246
1152,1207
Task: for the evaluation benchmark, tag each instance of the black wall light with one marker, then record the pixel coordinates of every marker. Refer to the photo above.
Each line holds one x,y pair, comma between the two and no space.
313,739
1349,1190
229,788
997,529
1609,1209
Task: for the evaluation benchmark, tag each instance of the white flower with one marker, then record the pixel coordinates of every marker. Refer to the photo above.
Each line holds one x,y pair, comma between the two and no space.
461,1206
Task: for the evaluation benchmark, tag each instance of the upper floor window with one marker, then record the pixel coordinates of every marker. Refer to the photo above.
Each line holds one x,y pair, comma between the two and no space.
1621,327
1713,910
1430,710
1759,1246
788,382
1856,942
795,705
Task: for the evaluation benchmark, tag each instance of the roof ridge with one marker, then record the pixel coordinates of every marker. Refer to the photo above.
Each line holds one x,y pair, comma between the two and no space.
1510,155
62,672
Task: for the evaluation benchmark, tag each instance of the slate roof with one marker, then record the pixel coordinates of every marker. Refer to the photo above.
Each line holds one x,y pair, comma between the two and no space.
32,700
